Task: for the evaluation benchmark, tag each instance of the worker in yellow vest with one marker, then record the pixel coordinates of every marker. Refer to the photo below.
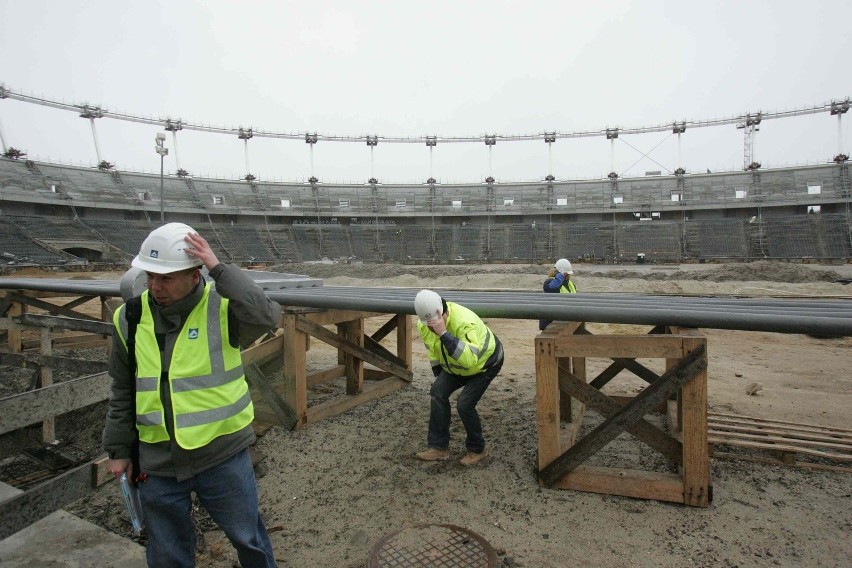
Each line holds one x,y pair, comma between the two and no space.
180,396
558,281
464,354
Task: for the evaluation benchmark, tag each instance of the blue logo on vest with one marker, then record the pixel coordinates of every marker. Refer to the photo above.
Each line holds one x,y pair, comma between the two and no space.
193,333
155,253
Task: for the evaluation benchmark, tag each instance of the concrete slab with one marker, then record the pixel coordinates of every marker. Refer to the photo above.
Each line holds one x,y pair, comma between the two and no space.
63,540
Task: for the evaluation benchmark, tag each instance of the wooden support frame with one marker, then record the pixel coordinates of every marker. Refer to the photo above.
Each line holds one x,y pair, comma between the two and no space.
355,348
563,347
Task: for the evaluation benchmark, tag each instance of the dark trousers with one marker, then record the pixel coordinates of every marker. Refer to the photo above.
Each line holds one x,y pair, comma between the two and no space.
473,387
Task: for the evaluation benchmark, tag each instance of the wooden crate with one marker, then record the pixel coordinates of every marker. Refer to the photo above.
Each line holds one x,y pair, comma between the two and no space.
561,382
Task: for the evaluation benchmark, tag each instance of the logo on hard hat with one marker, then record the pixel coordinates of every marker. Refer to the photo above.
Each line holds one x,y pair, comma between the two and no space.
155,253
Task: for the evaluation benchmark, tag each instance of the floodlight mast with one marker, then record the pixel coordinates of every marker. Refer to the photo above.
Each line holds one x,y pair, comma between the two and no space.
161,149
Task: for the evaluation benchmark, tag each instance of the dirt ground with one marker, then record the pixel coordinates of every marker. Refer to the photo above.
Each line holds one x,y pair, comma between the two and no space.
331,491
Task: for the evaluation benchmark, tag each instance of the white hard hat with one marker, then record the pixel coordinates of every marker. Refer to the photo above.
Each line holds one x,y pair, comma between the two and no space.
163,251
427,305
564,265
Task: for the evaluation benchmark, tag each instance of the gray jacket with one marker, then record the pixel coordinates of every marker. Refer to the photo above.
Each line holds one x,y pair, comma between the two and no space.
250,315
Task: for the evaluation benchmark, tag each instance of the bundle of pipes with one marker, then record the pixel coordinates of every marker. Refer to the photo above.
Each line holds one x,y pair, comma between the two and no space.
785,315
823,317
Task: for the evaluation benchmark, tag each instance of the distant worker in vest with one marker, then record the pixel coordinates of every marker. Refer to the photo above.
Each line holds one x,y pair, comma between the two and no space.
187,400
464,354
558,282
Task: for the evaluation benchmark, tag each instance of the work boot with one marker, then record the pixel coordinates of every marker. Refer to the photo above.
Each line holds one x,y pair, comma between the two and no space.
432,454
473,458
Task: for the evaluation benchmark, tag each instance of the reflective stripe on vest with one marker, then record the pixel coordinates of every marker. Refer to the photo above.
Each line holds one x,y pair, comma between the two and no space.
568,288
207,387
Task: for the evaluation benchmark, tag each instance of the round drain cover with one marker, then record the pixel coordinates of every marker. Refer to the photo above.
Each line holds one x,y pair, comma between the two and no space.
432,546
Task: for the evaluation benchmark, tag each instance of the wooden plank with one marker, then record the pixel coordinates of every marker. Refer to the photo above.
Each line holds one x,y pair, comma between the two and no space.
626,482
25,508
611,427
547,400
618,346
67,324
345,402
802,439
27,408
335,340
264,351
404,340
380,350
52,309
338,316
784,447
385,330
48,425
352,333
778,423
100,471
606,407
696,459
294,388
772,461
79,366
605,376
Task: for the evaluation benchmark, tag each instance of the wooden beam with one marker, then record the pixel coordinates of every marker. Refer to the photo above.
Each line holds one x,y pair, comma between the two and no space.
380,350
263,351
26,508
352,333
610,428
696,460
27,408
641,429
619,346
337,316
383,331
52,309
547,400
335,340
294,346
626,482
45,379
605,376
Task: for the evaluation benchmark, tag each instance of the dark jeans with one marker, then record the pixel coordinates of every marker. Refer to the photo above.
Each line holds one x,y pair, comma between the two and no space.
473,388
229,493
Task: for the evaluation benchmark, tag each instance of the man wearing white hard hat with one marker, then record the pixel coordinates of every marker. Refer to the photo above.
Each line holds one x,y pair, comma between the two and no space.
180,400
558,282
464,354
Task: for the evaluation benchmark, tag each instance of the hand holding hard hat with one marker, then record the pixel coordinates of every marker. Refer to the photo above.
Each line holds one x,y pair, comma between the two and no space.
174,247
430,309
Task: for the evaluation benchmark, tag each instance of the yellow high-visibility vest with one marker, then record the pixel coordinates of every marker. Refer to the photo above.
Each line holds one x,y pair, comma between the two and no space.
206,381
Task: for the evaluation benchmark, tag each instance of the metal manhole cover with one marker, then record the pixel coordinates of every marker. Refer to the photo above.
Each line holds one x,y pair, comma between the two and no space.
432,546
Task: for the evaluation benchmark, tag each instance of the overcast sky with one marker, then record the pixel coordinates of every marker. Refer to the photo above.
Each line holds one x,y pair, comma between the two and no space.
399,68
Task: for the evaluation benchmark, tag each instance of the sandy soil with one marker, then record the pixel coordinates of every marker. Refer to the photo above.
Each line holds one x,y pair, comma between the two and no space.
331,491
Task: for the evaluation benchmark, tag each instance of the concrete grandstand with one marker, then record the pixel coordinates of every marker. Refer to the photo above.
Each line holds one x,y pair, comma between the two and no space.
56,215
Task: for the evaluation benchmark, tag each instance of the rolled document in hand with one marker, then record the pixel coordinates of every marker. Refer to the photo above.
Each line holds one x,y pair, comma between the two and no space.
131,500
